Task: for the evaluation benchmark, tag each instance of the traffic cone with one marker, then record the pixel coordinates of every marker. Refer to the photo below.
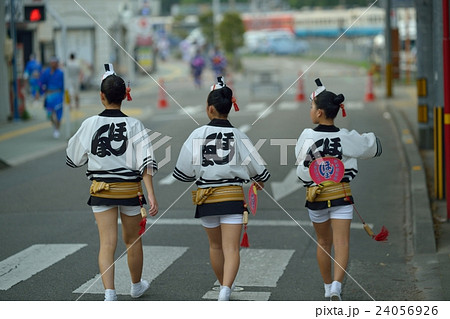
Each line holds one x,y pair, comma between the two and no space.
300,97
162,100
370,96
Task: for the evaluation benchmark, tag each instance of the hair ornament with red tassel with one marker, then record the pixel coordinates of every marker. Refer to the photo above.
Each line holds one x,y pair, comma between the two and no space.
144,214
128,92
344,114
236,107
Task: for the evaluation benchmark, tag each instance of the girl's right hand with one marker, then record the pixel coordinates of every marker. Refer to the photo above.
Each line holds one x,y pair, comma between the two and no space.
259,185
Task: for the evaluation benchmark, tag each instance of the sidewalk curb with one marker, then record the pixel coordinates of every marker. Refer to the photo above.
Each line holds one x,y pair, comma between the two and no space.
424,259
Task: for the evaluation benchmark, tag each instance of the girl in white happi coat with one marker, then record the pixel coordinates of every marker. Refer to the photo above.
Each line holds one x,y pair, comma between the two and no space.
332,215
119,155
219,159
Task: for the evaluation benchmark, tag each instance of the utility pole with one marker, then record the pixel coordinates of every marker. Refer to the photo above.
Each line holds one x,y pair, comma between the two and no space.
4,78
425,74
446,63
12,27
388,48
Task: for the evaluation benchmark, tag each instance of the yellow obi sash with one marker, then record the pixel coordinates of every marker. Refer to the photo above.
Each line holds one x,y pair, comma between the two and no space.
217,194
328,191
115,190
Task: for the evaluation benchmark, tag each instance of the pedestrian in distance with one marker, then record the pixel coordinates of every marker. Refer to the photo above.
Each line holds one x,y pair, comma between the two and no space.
32,73
215,157
330,205
218,62
52,85
74,77
197,66
119,155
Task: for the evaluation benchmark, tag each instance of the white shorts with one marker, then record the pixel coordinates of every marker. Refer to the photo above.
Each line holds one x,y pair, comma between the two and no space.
336,212
127,210
215,221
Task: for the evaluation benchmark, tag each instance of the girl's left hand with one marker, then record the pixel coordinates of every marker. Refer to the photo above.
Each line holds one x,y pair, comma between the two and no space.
153,210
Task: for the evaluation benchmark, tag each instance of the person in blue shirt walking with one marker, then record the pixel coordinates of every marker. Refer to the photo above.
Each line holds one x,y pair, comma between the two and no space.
52,85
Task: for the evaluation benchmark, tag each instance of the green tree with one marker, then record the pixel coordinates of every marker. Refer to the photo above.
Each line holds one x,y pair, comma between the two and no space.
231,34
206,22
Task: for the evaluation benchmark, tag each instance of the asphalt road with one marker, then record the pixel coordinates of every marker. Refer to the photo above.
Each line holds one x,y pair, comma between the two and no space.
44,215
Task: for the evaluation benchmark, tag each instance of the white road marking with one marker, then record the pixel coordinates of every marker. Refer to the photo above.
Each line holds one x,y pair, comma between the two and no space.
253,107
354,105
156,260
240,295
289,185
191,109
32,260
265,113
245,128
168,180
288,105
258,268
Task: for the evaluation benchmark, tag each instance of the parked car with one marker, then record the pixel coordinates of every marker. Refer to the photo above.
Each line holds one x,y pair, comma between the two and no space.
279,42
286,46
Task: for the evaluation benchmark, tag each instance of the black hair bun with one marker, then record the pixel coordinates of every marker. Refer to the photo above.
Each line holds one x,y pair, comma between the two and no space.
338,99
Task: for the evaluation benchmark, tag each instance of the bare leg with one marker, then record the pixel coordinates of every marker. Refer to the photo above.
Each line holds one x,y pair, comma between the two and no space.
130,236
107,229
341,239
324,235
231,234
215,251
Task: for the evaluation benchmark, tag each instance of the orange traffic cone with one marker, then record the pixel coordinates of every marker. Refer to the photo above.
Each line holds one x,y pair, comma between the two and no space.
370,96
300,97
162,100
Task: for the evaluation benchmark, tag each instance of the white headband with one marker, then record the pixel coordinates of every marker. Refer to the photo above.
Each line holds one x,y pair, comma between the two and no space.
320,89
220,84
109,70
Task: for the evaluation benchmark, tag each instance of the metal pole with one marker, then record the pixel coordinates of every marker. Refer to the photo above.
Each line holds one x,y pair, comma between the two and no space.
425,74
446,57
388,46
12,27
4,78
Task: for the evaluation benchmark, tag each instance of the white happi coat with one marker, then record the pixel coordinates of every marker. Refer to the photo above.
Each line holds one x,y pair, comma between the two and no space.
115,147
218,154
331,141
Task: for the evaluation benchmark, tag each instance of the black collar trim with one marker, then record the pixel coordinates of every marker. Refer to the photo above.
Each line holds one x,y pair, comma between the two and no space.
220,123
112,113
326,128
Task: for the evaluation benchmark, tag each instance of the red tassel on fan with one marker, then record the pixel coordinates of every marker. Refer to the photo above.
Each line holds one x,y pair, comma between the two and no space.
143,221
244,242
142,224
383,235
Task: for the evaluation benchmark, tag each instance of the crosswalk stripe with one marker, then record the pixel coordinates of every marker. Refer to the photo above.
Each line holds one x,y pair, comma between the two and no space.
240,295
254,106
354,105
262,267
168,180
191,109
245,128
32,260
288,105
258,268
156,260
